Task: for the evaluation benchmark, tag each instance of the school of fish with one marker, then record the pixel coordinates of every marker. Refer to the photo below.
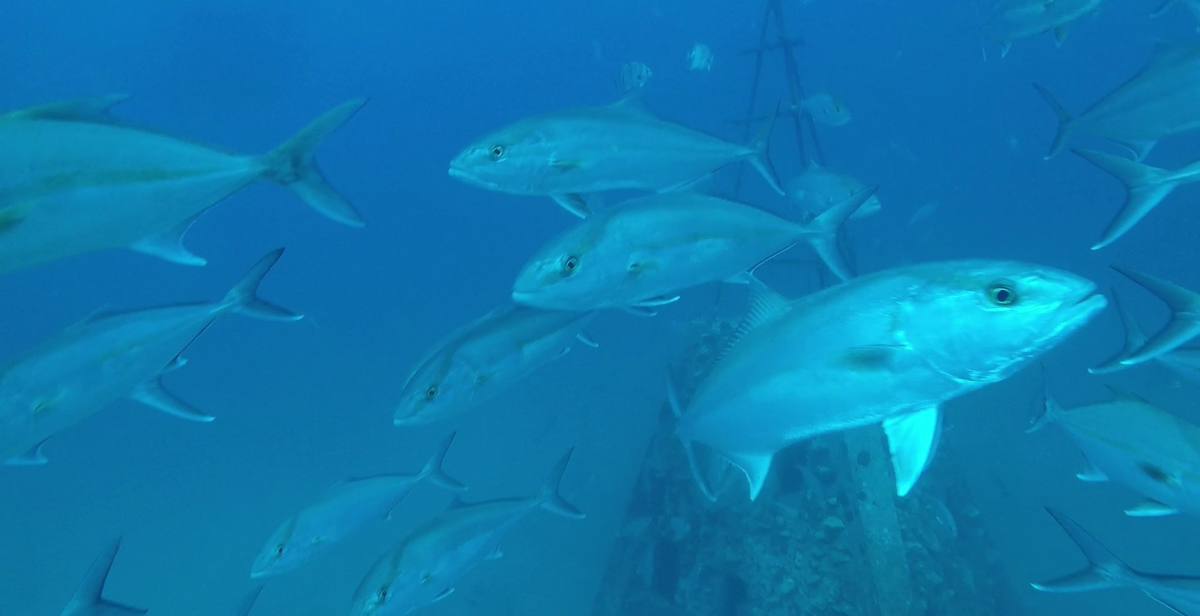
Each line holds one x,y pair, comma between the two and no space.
888,348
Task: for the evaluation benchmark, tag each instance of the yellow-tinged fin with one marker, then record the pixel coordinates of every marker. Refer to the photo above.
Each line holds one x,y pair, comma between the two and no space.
765,305
566,165
13,215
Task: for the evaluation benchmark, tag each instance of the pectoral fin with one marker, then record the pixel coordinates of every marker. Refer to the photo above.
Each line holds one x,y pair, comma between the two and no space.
1092,475
496,554
443,595
168,245
12,215
911,440
575,204
1151,509
155,396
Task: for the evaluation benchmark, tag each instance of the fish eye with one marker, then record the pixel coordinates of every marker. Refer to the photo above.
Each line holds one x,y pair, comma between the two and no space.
497,152
431,393
279,550
570,264
1002,294
382,594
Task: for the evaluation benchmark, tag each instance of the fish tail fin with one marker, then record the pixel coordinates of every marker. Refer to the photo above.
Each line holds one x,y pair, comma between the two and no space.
689,452
1147,187
433,468
550,498
294,166
1184,324
1135,338
89,600
823,232
1104,569
1050,409
760,156
243,608
1065,121
243,298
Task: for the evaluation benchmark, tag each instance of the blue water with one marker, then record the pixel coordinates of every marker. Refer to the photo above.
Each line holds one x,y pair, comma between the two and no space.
303,405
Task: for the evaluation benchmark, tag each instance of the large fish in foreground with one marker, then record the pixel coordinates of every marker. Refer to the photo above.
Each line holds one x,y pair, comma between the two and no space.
484,357
1161,100
427,565
1138,445
106,357
643,252
887,348
1178,593
1145,186
568,155
74,179
89,600
1014,20
343,509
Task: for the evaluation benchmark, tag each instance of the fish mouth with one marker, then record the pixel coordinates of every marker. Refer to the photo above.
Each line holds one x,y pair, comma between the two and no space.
467,177
523,297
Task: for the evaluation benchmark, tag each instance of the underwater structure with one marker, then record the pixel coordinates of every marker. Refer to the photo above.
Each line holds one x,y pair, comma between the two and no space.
828,536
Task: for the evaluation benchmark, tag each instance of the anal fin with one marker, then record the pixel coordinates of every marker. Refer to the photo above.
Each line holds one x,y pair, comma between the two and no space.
33,457
168,245
155,396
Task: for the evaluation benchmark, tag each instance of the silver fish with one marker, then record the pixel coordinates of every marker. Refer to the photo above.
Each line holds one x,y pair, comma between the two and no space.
426,566
484,357
345,508
827,109
642,253
1178,593
1183,326
92,364
633,75
887,348
1146,187
820,188
89,600
1161,100
73,180
1014,20
566,155
1138,445
700,58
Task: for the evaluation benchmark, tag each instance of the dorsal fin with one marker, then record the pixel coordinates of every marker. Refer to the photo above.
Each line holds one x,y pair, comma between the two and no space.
1126,396
634,104
90,109
765,305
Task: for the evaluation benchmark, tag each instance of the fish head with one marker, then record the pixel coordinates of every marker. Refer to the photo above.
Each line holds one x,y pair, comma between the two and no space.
441,387
515,159
284,551
391,591
582,269
981,321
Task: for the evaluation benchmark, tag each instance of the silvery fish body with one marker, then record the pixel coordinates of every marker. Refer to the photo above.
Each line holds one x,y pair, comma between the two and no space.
596,149
426,566
890,347
486,356
1014,20
820,188
342,510
644,251
1162,99
74,180
1132,442
92,364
